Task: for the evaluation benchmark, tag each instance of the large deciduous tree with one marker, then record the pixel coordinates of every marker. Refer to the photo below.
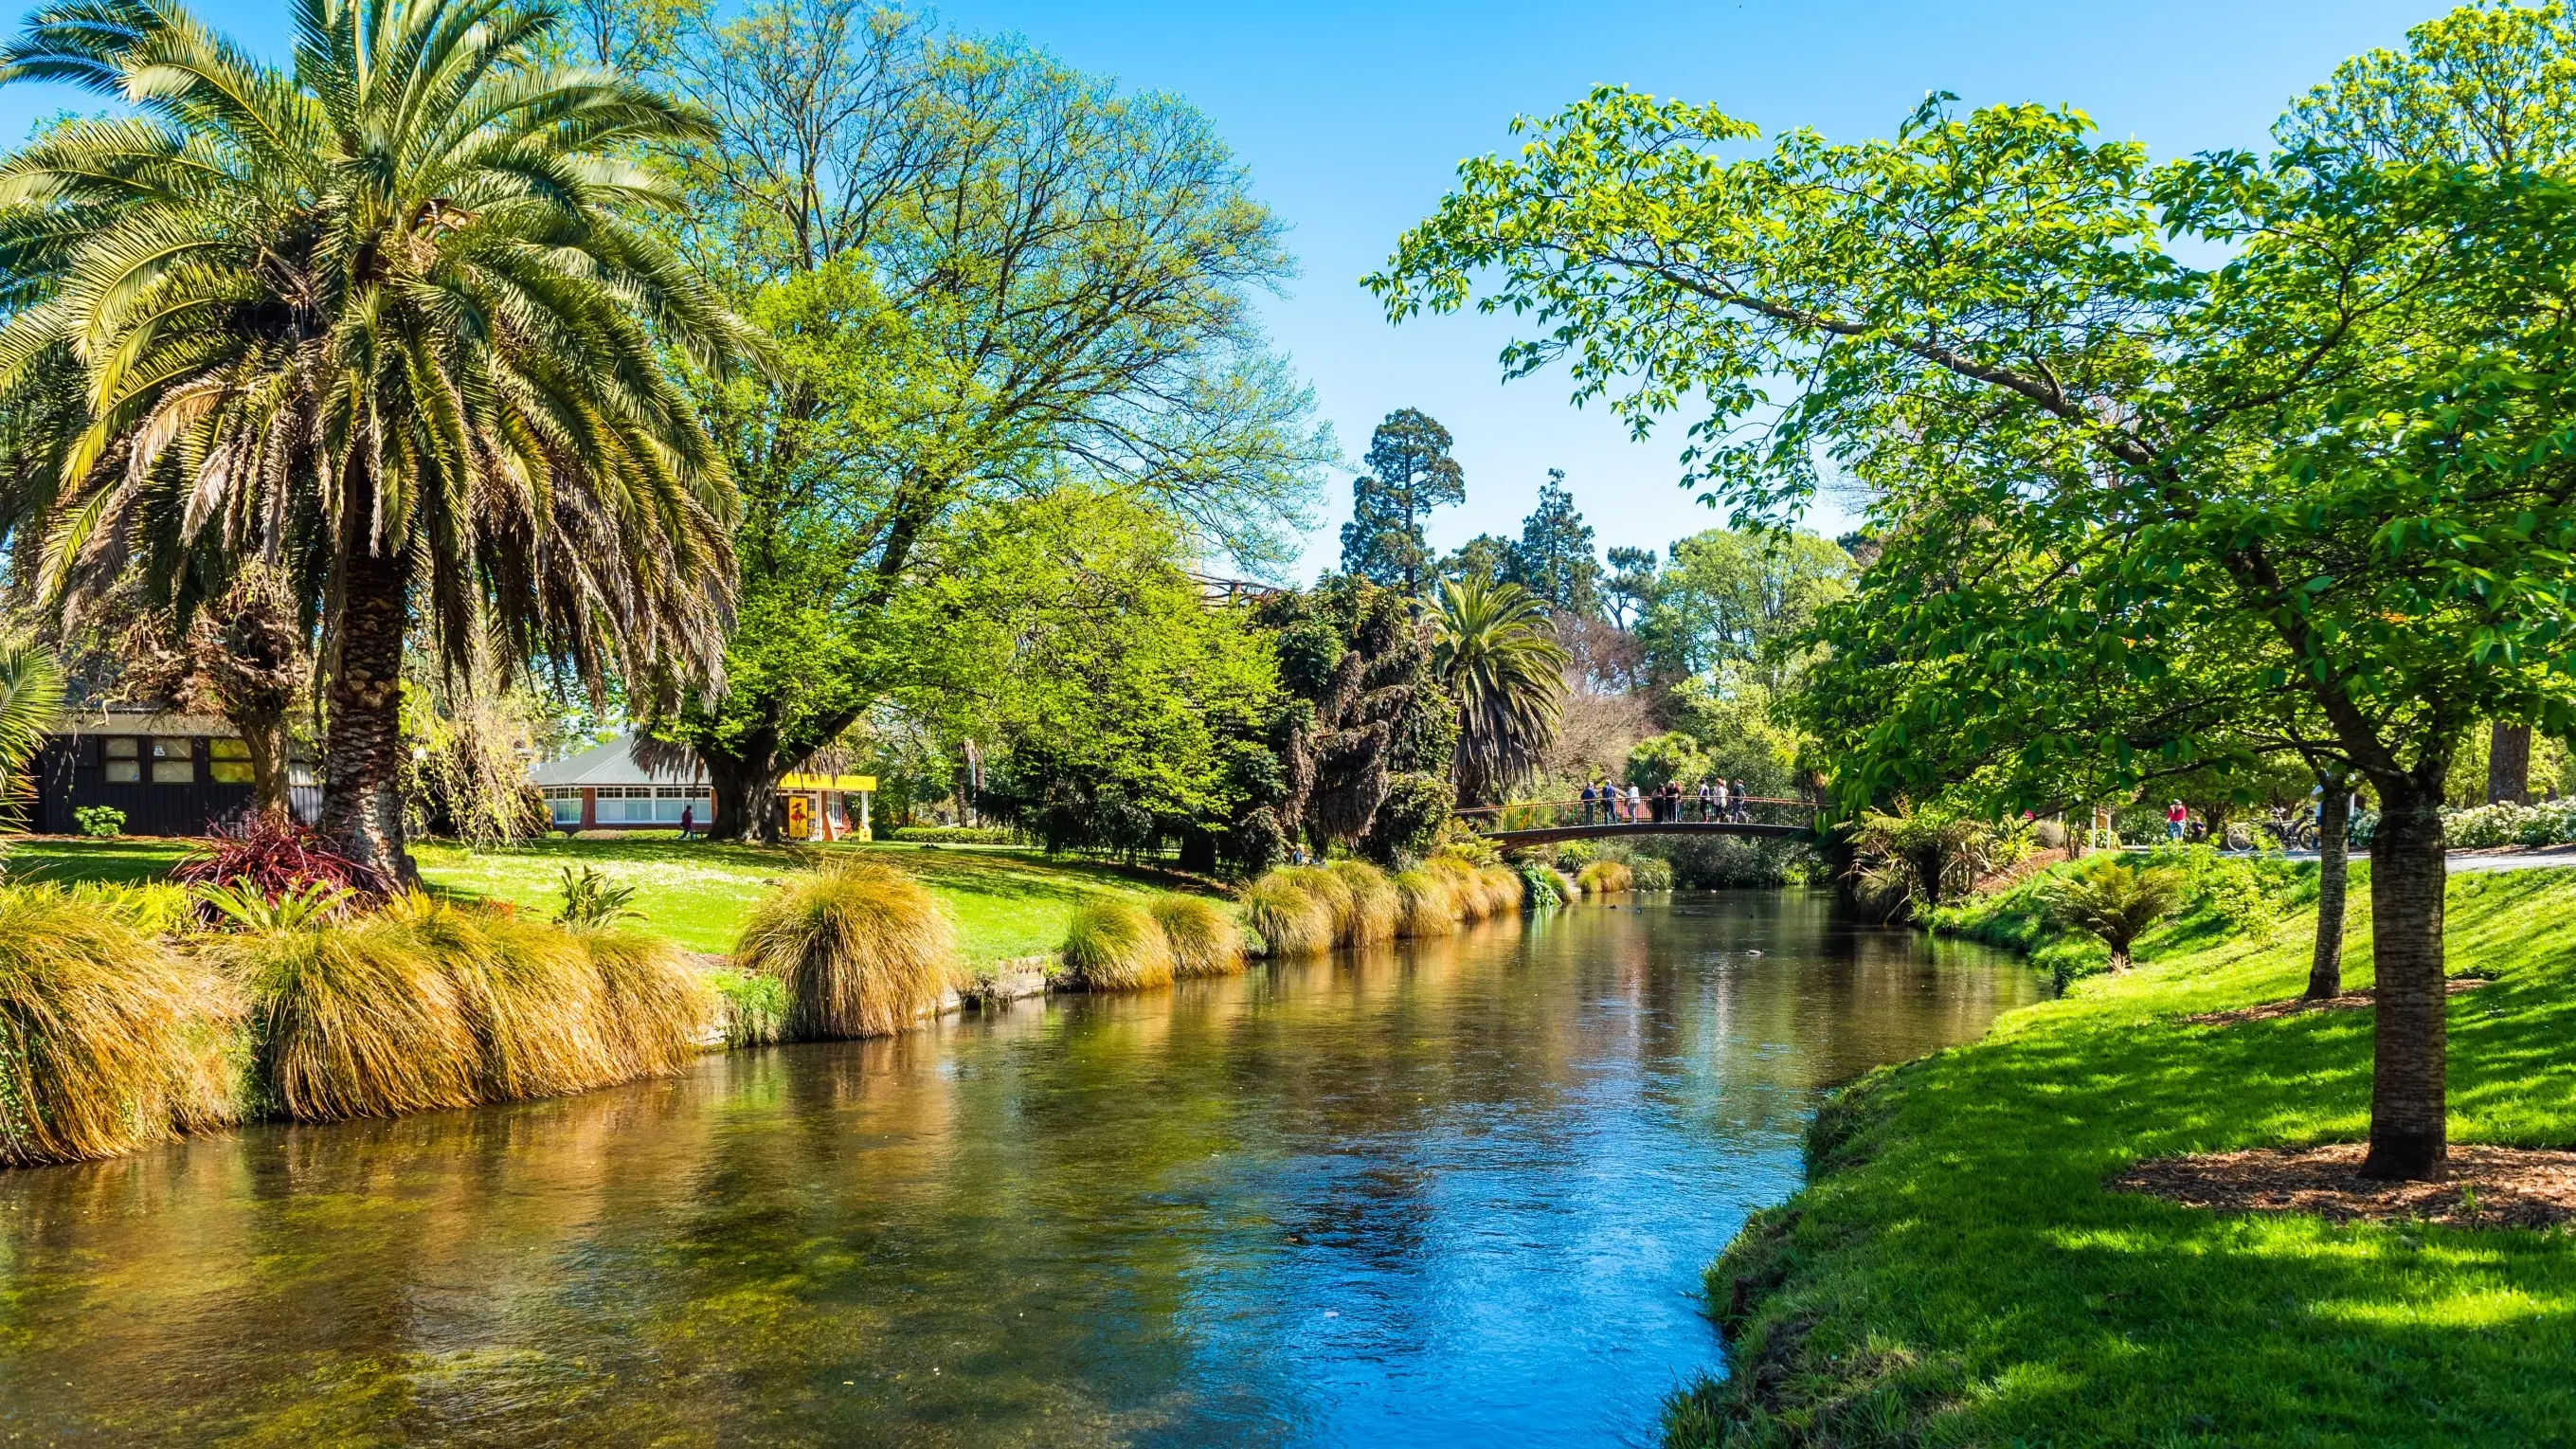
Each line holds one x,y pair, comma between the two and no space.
1409,474
2344,449
381,320
990,276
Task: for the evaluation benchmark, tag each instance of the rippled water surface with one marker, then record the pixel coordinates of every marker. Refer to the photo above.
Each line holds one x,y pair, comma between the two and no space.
1454,1193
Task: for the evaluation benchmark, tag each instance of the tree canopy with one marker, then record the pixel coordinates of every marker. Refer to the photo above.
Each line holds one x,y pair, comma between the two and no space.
1409,474
2336,461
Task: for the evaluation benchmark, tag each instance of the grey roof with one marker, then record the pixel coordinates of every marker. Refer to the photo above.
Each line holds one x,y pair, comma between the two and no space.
609,764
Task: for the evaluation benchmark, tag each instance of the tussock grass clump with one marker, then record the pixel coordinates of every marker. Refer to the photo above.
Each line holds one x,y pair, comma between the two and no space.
1375,907
109,1040
1116,945
1328,888
1290,921
659,1006
752,1008
1204,937
862,948
1606,878
1427,903
530,994
1504,889
356,1020
1460,878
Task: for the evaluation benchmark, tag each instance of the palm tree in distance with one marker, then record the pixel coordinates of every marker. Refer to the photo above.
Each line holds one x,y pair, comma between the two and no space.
1493,650
379,321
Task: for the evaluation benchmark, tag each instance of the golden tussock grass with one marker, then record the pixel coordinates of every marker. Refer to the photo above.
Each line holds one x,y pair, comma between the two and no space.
662,1005
1505,891
1329,889
1116,945
1204,936
1289,921
1375,906
1606,878
360,1019
1470,893
1427,903
109,1039
862,949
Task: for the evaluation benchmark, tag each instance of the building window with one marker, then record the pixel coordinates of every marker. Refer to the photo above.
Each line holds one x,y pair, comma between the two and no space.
123,756
174,762
564,803
228,762
670,800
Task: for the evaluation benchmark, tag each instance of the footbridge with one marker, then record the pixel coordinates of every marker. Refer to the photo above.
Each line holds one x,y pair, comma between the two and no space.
1545,822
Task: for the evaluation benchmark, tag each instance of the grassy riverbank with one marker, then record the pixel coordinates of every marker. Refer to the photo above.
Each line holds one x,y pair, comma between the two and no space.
1005,901
1957,1272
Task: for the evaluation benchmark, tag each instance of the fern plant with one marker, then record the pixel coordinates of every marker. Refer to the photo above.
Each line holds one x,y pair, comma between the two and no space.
2115,902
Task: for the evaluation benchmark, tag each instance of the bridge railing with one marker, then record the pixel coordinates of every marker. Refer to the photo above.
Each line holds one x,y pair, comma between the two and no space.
1557,814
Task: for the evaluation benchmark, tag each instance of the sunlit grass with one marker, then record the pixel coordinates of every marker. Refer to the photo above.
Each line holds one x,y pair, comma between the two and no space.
1116,946
1957,1272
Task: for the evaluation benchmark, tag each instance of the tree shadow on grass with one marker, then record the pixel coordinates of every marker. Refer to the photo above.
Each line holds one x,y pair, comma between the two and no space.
1961,1254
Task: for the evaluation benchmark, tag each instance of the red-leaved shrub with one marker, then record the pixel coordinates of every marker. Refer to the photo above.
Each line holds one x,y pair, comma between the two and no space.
273,855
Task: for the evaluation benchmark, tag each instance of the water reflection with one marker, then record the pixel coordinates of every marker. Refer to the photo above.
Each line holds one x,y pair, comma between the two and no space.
1453,1193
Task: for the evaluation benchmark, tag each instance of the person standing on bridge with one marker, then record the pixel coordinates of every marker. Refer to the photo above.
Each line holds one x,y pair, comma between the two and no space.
1589,795
1743,803
1720,792
1707,801
1636,805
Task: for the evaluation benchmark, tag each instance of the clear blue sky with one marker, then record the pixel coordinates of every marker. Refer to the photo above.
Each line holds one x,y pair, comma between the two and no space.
1352,117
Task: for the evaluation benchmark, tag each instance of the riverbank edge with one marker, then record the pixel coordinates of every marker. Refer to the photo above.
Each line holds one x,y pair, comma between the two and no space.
1827,1304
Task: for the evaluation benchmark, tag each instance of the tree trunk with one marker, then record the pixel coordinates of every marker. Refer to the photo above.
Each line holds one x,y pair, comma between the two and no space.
2334,869
2509,764
745,782
264,735
362,811
2408,1123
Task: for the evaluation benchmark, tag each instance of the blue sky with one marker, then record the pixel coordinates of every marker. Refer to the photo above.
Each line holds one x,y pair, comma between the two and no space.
1352,118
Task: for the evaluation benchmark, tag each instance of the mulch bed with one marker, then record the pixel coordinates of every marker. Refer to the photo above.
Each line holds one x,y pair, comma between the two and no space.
2349,1001
2489,1187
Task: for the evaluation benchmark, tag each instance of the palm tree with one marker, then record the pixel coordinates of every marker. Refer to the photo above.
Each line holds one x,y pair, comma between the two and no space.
1493,649
381,321
31,703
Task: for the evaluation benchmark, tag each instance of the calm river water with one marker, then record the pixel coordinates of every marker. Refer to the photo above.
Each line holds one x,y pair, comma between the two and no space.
1457,1193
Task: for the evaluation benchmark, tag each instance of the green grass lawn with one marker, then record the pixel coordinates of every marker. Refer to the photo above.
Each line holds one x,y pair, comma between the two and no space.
1957,1274
1006,901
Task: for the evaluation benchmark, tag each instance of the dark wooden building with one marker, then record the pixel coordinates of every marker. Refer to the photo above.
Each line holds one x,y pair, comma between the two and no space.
172,774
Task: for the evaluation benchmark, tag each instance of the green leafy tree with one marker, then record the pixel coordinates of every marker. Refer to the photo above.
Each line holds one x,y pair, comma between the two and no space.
1494,653
383,319
2338,450
1067,636
1409,474
1554,558
1740,598
990,276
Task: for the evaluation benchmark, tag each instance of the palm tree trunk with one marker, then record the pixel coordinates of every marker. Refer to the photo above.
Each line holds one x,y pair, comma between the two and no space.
2334,870
2408,1122
362,812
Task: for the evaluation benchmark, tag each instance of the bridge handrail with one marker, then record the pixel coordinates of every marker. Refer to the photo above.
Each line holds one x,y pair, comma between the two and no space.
1577,803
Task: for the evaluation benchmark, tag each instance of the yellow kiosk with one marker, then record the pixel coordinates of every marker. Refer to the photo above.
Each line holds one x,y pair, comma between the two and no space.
818,806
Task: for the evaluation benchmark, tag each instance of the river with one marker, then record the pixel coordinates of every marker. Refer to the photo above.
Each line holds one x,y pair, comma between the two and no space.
1449,1193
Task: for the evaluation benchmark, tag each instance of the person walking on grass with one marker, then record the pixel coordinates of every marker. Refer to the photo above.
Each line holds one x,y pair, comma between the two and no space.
2175,816
688,821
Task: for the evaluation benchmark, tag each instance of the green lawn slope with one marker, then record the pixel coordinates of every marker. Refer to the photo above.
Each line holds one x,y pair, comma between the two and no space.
1956,1272
1006,902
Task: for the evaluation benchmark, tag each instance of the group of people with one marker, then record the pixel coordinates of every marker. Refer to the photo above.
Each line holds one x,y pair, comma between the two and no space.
1716,799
